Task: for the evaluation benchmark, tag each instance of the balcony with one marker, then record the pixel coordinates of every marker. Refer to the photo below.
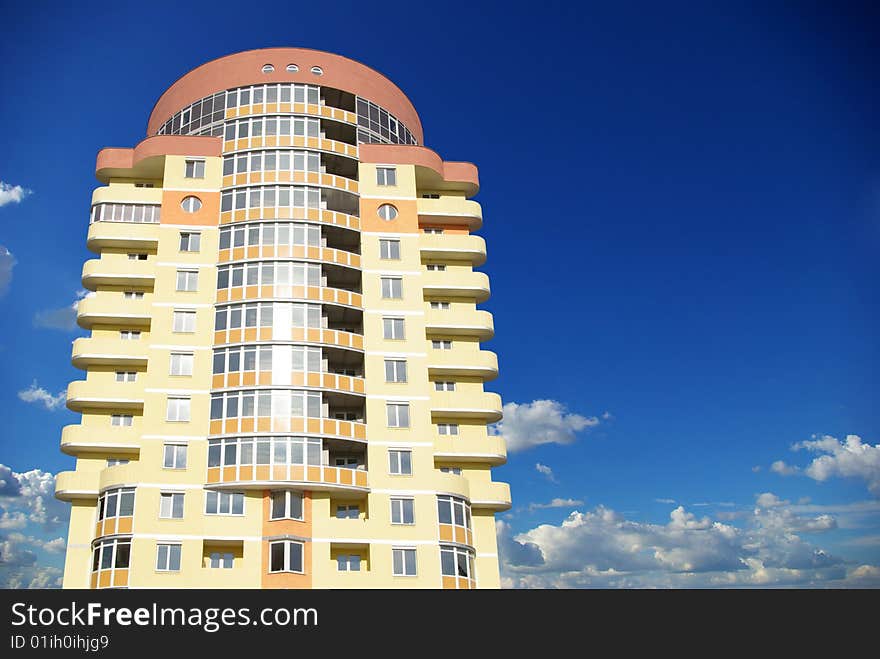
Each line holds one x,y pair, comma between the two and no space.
452,283
490,496
451,484
126,194
474,322
450,210
122,235
473,363
82,395
117,272
109,309
452,247
120,476
485,406
77,439
455,448
73,485
89,351
320,478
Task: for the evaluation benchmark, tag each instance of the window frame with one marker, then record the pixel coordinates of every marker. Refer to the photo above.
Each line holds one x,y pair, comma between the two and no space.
405,551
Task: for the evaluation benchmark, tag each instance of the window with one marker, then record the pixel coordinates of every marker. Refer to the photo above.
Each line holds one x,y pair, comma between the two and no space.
168,558
286,556
116,503
389,249
190,242
267,68
171,505
386,176
137,257
317,70
181,363
126,376
392,288
178,409
191,204
286,505
144,185
430,195
444,386
402,511
404,562
456,562
395,370
451,470
292,68
387,212
392,328
194,169
133,295
184,322
400,462
224,503
447,428
436,267
348,563
174,456
442,344
187,280
453,510
346,462
433,230
130,335
444,306
112,462
348,511
109,554
398,415
121,420
222,561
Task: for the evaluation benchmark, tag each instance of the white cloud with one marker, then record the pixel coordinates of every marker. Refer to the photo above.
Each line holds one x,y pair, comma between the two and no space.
779,467
63,318
848,459
12,194
770,500
540,422
36,394
557,503
601,548
664,500
546,471
756,469
31,551
7,263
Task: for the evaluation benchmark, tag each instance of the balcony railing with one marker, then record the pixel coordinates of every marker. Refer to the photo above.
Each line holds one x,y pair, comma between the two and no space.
323,477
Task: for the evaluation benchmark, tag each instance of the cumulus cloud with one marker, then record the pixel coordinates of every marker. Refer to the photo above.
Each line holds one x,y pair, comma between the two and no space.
779,467
63,318
36,394
601,548
847,459
557,503
12,194
7,263
32,524
526,425
546,471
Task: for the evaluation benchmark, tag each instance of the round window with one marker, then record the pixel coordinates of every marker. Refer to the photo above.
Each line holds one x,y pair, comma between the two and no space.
268,68
191,204
293,68
387,212
317,70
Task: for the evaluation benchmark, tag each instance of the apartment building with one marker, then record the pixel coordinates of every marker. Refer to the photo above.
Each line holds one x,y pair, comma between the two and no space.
283,382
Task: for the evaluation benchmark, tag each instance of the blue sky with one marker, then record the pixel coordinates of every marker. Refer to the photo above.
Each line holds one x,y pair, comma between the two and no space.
682,208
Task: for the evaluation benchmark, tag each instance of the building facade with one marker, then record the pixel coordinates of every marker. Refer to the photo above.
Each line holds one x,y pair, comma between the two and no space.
284,381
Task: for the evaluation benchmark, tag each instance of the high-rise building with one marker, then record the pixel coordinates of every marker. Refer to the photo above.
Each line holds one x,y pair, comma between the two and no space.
284,381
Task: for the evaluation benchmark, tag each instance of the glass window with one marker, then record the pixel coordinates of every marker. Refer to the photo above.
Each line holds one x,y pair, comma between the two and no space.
224,503
395,370
402,511
347,511
181,363
386,176
447,428
286,556
387,212
194,169
404,562
444,386
191,204
398,415
174,456
183,321
392,288
171,505
291,68
190,242
178,409
222,560
389,249
187,280
400,462
167,557
287,505
121,420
